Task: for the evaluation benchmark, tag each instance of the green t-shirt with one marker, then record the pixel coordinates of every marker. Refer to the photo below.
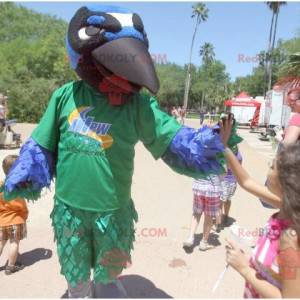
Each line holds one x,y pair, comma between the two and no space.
95,143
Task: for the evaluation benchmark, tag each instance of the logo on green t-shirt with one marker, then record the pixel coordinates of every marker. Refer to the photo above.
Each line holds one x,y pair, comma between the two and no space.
85,125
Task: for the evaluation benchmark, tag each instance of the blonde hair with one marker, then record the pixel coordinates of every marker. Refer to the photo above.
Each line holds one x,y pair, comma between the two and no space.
8,162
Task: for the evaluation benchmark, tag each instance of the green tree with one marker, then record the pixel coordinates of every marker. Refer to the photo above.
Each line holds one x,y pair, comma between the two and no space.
211,87
207,53
252,84
208,56
33,60
290,66
275,8
200,12
171,77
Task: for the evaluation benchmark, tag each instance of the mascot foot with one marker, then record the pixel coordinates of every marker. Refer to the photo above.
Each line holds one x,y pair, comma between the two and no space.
111,290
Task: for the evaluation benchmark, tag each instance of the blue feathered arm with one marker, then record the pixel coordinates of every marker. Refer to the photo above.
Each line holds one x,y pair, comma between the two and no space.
32,171
196,153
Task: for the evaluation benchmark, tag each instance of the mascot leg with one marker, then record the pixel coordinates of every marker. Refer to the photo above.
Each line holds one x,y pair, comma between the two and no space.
89,240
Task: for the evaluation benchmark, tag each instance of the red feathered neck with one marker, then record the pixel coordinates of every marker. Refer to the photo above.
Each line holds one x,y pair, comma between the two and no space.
117,89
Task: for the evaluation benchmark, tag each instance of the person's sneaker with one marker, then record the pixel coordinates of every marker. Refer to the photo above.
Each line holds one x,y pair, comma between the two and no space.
204,245
12,269
188,244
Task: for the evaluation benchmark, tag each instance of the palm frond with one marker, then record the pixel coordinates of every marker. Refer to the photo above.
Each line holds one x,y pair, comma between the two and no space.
292,66
200,11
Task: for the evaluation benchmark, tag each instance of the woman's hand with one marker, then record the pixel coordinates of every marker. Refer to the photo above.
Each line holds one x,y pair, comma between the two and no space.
236,258
225,129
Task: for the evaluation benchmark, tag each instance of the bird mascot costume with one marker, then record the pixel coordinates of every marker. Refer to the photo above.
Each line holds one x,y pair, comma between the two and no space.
85,141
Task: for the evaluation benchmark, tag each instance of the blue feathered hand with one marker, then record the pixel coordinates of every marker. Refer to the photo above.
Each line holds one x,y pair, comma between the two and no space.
31,172
197,152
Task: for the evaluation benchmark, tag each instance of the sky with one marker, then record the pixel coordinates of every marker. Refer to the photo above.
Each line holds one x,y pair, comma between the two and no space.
238,30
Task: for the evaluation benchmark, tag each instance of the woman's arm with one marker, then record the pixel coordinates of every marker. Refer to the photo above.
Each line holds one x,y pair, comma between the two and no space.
262,287
292,134
237,259
249,184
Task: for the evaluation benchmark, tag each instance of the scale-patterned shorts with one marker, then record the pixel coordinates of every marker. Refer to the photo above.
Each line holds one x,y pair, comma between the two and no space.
87,241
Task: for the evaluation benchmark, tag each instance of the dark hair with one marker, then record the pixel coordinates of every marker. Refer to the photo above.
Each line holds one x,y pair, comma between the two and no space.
288,166
8,162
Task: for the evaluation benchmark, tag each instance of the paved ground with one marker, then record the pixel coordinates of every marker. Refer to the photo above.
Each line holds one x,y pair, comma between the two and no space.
160,268
263,147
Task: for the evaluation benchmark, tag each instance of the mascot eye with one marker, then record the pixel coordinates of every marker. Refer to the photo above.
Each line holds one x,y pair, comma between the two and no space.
86,33
82,34
91,30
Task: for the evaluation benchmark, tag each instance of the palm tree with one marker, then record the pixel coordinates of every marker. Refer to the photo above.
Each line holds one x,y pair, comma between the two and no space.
208,55
207,52
292,66
267,54
275,7
200,12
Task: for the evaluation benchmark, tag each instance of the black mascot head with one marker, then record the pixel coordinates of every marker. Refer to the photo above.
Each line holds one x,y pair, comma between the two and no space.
108,48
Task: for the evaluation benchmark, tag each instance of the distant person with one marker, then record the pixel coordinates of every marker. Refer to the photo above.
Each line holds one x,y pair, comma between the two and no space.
201,115
13,216
207,193
174,113
2,115
179,110
228,185
2,112
181,113
279,135
292,132
208,120
207,201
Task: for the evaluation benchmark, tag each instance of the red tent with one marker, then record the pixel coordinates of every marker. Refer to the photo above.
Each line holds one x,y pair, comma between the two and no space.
243,99
242,103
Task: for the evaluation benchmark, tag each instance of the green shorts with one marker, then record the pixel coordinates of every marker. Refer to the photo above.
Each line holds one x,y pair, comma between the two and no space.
89,240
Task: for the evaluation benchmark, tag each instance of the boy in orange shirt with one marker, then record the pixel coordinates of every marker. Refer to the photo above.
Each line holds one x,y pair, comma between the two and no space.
13,215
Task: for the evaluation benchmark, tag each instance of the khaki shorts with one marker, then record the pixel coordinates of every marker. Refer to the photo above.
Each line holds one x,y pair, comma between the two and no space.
13,232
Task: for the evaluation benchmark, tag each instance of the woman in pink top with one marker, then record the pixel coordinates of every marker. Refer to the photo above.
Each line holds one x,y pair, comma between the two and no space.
292,132
274,268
